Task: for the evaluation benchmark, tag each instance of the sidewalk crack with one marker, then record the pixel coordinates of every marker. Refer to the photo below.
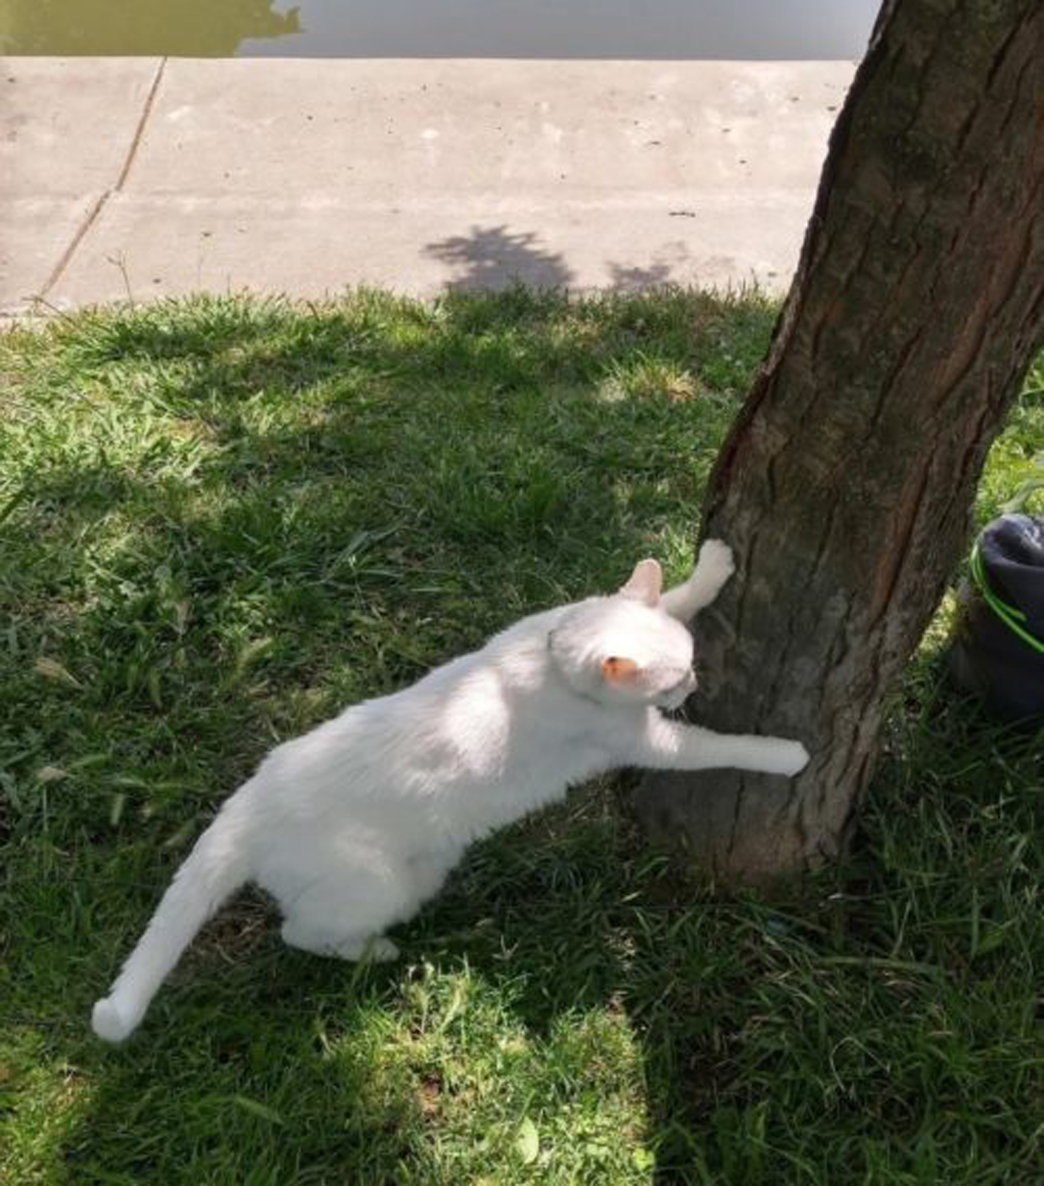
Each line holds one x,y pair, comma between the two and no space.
99,205
139,131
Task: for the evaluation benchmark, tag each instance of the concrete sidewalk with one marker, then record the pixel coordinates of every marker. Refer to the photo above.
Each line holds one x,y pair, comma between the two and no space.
144,177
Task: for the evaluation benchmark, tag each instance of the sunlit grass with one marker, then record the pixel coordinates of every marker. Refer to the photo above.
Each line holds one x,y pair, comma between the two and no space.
221,521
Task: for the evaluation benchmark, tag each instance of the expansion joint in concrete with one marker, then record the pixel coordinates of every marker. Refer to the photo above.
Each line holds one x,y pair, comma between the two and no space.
99,205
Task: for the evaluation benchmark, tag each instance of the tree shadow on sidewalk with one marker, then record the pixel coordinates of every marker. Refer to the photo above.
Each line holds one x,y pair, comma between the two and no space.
496,257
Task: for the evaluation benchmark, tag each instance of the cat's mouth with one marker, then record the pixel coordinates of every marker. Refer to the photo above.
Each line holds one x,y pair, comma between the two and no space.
676,696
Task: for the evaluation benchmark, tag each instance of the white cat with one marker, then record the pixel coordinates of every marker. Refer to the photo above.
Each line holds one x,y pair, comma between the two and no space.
353,826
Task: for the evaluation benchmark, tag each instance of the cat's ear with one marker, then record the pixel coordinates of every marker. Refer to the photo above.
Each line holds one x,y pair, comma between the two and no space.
645,583
619,671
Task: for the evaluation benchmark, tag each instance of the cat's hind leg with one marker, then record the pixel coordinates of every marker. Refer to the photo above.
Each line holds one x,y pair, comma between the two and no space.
343,915
348,898
312,936
430,868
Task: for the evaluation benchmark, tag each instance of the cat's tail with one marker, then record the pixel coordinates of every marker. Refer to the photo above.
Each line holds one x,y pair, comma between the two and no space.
214,870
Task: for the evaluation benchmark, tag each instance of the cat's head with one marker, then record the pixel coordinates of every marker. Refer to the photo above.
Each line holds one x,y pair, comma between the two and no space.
626,648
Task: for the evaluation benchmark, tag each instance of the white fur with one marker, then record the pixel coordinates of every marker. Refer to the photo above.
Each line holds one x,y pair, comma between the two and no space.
354,825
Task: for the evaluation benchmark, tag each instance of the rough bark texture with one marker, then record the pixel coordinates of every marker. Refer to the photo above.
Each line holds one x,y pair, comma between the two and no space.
846,483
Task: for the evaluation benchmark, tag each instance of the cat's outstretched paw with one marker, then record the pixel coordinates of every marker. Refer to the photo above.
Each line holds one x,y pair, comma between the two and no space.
791,758
715,563
714,566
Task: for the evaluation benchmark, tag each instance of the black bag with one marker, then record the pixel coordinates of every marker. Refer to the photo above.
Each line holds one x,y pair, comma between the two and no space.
998,651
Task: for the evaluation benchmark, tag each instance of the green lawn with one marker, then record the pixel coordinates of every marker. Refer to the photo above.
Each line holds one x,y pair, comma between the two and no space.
220,521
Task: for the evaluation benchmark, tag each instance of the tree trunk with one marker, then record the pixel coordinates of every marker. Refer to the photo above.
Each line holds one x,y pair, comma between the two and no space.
846,484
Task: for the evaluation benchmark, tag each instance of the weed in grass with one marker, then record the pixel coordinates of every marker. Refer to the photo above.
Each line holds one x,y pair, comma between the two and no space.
223,519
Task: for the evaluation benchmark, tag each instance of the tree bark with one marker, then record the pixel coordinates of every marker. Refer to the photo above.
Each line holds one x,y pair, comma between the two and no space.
846,483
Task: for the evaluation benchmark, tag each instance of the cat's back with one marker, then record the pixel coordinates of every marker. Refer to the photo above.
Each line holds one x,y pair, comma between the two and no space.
494,714
476,743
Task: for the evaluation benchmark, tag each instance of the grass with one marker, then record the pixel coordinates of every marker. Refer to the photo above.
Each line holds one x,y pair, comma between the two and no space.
221,521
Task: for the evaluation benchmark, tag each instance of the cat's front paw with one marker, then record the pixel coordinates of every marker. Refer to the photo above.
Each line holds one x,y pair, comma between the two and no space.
791,758
715,563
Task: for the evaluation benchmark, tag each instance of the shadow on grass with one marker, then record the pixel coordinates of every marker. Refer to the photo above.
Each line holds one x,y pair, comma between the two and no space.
251,515
269,514
540,939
